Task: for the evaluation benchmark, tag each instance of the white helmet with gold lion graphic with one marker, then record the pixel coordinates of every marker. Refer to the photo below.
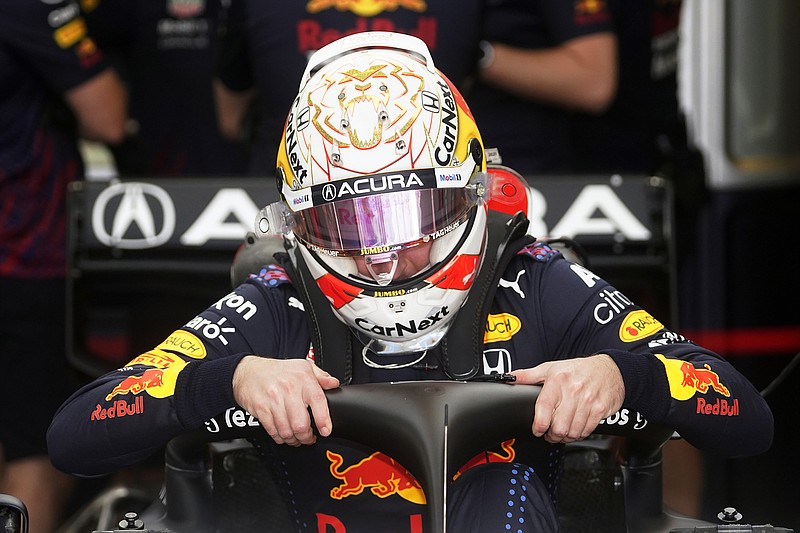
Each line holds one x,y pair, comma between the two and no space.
381,169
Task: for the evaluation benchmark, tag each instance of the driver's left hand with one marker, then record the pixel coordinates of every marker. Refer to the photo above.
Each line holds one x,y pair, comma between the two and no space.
576,395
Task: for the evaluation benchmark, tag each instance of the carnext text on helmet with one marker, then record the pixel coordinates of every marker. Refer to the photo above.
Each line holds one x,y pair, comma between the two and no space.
298,170
449,110
400,329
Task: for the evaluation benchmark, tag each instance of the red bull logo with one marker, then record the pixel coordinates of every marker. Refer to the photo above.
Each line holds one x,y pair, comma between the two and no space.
313,34
685,380
702,378
721,407
366,8
152,377
506,456
379,473
118,409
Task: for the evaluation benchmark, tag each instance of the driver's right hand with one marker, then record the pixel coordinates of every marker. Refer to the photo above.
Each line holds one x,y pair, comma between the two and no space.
279,393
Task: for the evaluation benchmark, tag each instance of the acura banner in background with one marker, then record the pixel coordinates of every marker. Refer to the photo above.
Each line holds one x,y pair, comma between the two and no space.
216,214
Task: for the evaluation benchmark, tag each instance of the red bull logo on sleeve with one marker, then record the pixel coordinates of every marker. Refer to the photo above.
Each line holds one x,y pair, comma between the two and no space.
152,377
686,380
158,382
702,378
379,473
118,409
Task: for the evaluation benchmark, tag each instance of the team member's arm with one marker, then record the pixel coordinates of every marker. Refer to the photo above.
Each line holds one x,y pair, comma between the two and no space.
100,106
232,109
551,51
233,85
53,39
579,74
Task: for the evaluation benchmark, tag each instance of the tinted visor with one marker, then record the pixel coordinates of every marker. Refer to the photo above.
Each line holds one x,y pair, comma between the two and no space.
379,223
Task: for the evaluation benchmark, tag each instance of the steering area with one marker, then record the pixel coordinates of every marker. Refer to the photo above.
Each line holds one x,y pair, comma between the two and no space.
432,428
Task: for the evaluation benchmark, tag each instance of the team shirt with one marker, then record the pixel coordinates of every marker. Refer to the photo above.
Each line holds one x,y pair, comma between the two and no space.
165,51
45,51
533,137
626,137
267,48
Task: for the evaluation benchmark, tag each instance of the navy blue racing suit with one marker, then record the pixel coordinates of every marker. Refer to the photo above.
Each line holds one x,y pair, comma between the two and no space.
546,308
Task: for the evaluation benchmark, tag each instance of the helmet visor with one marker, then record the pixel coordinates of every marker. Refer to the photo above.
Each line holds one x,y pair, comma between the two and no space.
385,222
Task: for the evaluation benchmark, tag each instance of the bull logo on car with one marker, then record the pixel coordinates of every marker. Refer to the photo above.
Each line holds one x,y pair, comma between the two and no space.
379,473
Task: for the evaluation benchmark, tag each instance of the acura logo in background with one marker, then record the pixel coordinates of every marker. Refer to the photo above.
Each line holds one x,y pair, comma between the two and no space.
135,224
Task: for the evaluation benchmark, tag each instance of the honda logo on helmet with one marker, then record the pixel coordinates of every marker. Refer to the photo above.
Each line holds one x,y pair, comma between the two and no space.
144,216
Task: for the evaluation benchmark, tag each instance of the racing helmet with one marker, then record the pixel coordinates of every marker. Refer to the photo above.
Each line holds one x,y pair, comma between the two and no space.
380,162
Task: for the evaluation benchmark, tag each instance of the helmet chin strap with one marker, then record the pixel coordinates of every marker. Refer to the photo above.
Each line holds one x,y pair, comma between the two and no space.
382,278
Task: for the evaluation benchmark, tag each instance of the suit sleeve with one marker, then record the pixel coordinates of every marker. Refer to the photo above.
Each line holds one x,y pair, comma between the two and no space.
668,379
53,40
126,415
